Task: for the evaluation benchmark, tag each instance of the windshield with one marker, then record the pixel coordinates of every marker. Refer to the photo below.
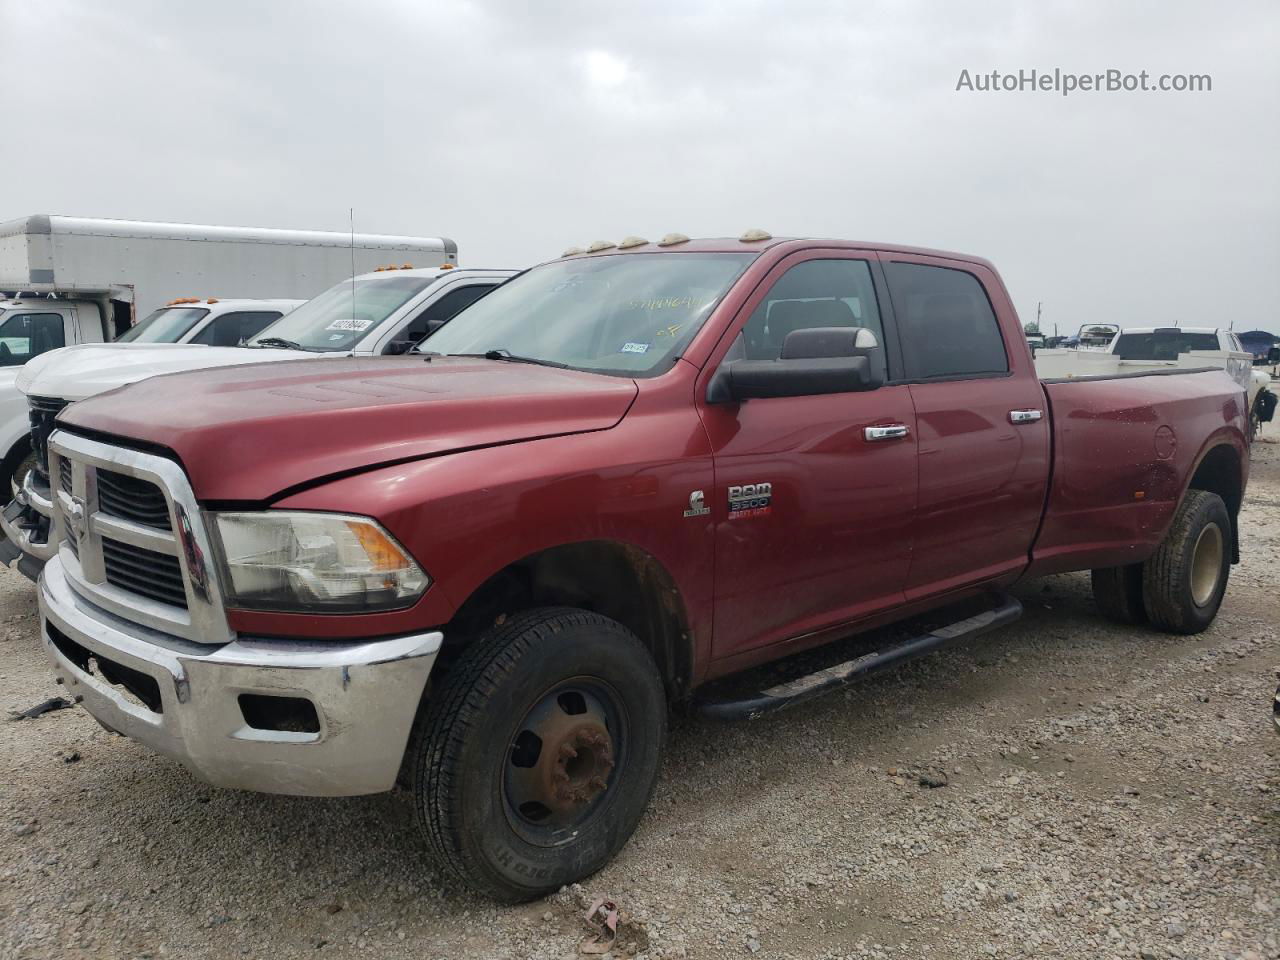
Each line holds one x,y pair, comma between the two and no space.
166,325
1162,346
627,315
341,316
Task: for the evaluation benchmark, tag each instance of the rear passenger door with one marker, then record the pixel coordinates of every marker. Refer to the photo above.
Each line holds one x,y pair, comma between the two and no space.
981,421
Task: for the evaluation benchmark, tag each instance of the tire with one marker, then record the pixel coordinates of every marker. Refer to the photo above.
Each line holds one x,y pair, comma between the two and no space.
1183,584
502,808
15,468
1118,593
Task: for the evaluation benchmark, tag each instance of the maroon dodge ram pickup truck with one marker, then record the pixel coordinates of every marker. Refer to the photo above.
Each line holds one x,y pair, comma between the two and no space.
489,570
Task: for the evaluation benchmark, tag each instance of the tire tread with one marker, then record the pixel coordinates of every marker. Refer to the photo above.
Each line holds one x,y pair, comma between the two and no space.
454,708
1165,575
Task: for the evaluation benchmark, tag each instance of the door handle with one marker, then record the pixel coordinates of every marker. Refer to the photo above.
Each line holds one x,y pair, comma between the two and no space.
1024,416
890,431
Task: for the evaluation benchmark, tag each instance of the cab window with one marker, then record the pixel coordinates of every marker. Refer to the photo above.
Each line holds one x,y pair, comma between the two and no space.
232,329
815,293
443,310
25,335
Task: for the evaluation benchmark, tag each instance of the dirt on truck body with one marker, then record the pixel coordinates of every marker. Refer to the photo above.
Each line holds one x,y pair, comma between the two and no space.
620,476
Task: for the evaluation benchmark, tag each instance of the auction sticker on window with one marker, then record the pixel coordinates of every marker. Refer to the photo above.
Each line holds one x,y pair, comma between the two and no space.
635,348
351,323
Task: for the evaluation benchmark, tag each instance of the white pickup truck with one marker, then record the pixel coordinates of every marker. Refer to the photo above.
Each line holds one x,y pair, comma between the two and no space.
1135,348
33,326
383,312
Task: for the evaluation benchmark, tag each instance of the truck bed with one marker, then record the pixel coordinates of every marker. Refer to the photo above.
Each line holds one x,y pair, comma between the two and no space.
1119,462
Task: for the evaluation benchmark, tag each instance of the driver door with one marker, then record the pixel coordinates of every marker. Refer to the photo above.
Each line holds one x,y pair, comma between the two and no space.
815,496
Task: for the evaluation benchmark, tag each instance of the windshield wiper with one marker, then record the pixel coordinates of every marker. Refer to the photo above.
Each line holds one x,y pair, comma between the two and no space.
277,342
502,353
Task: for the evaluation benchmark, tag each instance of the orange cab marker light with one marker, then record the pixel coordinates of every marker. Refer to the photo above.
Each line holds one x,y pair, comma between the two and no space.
212,300
1139,494
447,266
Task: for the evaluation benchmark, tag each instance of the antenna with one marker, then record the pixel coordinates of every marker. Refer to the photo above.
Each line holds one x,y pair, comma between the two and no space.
351,219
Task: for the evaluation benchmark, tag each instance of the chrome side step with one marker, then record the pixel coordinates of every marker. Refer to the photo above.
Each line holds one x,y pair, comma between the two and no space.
815,684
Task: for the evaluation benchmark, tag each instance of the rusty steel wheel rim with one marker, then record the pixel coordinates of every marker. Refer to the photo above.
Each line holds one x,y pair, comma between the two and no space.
563,759
1206,564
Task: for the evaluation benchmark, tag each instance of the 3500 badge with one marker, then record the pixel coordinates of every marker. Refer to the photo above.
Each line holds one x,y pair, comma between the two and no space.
750,500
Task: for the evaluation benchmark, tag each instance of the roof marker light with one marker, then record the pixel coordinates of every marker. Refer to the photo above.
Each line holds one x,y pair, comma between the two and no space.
754,235
600,245
212,300
573,252
629,242
671,239
447,266
406,266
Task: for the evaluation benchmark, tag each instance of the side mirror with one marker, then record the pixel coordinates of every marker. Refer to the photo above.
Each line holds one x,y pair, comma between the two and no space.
396,347
815,361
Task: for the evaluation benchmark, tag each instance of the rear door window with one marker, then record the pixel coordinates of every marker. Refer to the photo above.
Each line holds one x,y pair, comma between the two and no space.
946,323
26,335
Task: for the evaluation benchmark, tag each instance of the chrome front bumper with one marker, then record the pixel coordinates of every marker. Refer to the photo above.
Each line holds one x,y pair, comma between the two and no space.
365,696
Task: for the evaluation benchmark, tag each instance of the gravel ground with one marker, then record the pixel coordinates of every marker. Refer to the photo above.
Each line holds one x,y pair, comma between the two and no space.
1107,793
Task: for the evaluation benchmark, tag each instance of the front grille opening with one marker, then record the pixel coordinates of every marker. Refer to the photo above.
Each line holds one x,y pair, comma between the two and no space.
131,498
64,474
139,570
286,714
42,411
139,687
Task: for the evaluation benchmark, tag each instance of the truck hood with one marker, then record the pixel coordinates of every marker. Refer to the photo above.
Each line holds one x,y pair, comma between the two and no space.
73,373
247,433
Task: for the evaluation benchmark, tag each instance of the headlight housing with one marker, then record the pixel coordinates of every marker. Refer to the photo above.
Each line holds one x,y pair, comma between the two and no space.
313,562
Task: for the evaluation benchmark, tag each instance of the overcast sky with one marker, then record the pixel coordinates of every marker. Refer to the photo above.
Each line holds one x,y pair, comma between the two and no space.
521,129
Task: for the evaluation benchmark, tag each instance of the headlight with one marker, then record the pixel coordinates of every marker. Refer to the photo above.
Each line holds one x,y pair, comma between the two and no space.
322,562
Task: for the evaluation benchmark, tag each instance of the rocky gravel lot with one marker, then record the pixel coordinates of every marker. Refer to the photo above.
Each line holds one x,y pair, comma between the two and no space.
1063,788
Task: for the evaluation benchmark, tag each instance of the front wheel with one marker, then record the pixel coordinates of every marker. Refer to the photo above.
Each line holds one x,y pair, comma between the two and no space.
1183,584
14,471
539,752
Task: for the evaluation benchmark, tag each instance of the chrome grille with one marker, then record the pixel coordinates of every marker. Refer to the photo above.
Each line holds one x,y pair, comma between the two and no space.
42,411
132,498
152,574
130,534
